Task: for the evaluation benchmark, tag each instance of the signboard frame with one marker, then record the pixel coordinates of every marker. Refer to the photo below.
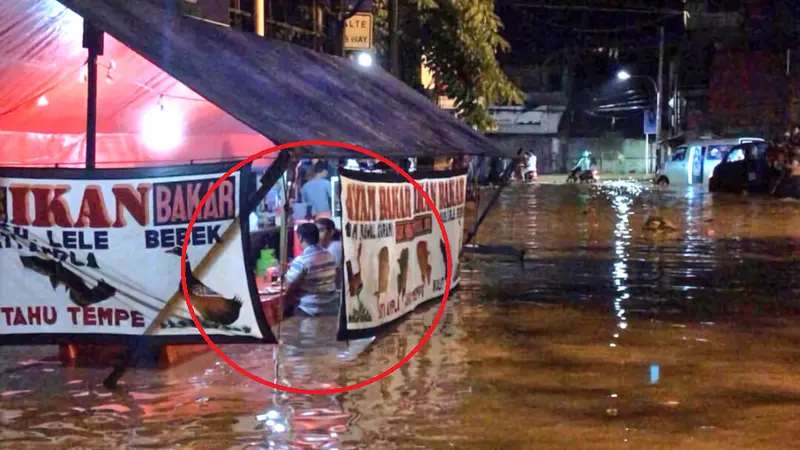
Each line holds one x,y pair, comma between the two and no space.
453,213
650,121
361,15
142,175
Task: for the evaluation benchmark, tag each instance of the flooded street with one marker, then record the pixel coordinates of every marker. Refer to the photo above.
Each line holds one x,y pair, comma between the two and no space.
608,336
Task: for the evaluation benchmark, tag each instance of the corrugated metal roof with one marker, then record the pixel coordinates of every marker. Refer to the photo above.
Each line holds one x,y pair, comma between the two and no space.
286,92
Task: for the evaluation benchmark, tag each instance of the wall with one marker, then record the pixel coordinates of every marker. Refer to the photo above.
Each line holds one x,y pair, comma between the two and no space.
749,92
542,147
606,150
613,154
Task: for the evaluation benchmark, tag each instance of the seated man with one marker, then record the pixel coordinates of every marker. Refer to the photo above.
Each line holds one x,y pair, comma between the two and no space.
311,279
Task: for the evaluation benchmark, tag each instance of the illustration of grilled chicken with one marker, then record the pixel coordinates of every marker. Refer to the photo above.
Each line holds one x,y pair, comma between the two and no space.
402,277
460,253
209,303
383,272
79,292
444,254
423,256
355,285
456,262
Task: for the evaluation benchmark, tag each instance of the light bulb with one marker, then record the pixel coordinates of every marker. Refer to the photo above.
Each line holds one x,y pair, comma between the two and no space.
364,59
162,127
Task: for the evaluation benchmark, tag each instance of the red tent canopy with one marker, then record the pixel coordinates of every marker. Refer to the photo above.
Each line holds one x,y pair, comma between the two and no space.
144,116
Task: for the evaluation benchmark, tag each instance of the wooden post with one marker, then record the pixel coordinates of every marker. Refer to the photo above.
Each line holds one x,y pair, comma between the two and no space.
258,17
394,43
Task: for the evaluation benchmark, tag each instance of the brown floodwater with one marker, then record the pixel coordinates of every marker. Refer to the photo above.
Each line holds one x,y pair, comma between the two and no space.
607,337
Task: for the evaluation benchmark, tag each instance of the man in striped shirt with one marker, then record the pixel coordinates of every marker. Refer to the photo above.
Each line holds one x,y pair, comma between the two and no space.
312,276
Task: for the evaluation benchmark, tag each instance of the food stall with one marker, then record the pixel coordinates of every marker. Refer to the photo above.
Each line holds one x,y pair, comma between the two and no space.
228,96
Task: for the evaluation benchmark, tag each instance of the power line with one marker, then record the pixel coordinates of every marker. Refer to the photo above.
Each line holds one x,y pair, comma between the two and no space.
552,23
665,12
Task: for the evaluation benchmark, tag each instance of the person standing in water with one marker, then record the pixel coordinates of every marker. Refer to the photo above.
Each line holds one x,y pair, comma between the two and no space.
530,173
585,162
331,240
317,192
311,279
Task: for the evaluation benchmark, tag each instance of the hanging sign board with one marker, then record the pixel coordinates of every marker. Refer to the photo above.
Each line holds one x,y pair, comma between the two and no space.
358,32
650,121
394,251
95,256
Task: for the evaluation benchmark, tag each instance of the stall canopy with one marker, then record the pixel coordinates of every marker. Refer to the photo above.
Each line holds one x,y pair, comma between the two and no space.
144,114
284,92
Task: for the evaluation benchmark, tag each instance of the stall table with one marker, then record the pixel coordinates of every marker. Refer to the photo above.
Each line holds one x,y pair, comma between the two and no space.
87,355
82,355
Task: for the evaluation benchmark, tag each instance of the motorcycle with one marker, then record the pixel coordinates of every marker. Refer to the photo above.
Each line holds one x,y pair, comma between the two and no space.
583,176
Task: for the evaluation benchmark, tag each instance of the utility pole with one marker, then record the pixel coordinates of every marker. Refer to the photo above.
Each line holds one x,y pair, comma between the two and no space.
659,95
565,128
394,44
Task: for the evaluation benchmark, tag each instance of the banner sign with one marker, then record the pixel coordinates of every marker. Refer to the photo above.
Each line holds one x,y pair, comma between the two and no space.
94,256
394,253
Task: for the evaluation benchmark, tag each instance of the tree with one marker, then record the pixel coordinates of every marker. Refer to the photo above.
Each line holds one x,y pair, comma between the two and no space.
458,40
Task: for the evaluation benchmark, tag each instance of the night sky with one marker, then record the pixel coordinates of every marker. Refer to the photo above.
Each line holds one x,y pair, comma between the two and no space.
540,34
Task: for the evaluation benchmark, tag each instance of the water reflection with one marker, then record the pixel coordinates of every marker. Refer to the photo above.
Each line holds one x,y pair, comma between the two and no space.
621,195
701,323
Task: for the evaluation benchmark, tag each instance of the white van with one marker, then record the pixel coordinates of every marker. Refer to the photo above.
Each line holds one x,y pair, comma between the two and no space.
694,161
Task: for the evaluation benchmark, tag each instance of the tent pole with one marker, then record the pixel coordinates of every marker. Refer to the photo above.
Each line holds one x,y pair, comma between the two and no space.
504,182
270,177
92,41
283,259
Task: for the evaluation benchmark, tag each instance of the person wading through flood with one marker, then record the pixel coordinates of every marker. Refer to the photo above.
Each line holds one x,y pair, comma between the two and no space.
529,172
494,172
317,192
584,163
311,278
331,240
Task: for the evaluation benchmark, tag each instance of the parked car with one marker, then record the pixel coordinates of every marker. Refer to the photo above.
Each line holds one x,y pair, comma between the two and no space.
744,168
694,162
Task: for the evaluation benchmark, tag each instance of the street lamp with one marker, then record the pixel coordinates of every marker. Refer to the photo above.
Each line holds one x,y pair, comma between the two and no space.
364,59
624,75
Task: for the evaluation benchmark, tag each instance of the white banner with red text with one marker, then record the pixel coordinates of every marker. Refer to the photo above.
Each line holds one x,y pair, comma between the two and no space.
95,256
394,251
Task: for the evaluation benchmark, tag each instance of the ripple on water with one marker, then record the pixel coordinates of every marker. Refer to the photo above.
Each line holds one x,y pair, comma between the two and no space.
523,357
